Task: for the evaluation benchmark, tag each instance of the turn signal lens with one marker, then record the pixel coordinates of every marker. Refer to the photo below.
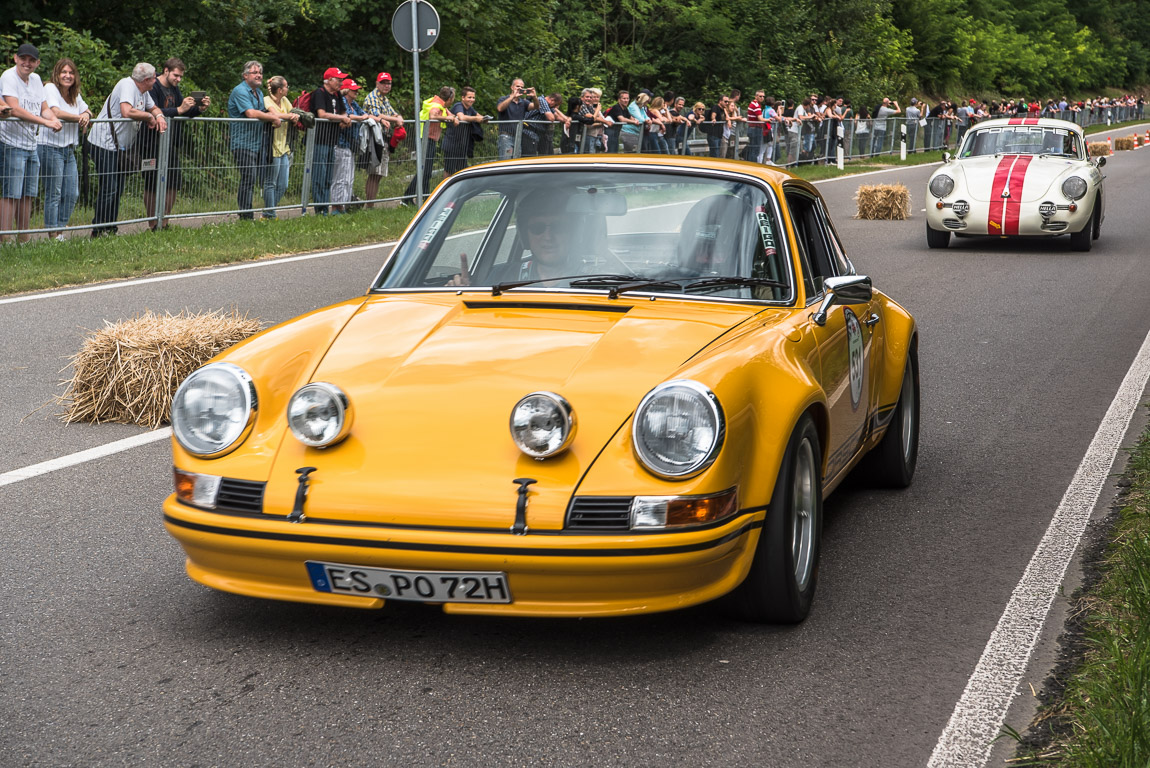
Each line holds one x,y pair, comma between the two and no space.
680,511
195,489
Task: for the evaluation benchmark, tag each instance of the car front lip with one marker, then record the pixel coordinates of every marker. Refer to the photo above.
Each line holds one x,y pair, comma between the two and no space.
549,575
976,222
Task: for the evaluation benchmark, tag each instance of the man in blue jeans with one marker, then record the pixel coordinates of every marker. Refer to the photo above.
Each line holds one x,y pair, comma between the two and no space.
331,112
250,142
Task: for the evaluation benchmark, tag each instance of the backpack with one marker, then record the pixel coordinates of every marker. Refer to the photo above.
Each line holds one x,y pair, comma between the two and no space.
303,104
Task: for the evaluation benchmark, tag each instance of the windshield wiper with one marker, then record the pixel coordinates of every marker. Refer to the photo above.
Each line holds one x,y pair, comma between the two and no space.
623,283
713,282
499,288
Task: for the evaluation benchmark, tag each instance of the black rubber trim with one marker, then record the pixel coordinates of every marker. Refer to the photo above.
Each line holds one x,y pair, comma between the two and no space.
883,416
463,549
616,308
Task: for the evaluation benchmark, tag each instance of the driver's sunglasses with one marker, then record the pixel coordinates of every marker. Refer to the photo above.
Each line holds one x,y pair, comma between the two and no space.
539,226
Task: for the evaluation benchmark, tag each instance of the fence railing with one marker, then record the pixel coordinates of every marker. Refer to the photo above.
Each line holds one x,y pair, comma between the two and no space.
216,167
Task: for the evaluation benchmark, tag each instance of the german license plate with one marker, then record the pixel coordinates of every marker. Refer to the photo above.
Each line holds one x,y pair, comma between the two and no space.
419,586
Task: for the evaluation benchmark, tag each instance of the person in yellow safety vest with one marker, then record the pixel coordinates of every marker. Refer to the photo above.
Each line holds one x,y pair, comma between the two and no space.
435,115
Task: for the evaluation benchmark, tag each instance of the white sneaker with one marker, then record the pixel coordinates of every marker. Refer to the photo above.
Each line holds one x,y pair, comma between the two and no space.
59,237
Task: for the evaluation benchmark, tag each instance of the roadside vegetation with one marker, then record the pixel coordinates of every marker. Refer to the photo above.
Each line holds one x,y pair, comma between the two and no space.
1101,719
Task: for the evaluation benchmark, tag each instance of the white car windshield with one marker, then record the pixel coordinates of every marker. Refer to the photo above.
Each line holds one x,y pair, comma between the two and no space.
598,230
1022,140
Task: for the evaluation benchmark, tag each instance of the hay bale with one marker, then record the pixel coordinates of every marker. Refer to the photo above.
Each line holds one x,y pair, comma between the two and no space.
886,202
1124,143
128,371
1098,149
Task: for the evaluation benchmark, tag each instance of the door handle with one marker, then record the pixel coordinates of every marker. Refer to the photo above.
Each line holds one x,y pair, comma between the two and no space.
870,321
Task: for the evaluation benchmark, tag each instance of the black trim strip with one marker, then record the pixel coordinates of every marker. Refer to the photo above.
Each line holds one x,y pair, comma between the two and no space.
617,308
462,549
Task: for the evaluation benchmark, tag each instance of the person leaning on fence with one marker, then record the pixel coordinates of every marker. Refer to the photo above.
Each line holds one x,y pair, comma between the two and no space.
172,103
23,92
887,110
714,120
546,143
459,139
58,173
276,182
251,141
913,115
436,115
631,135
346,146
331,116
511,110
111,141
537,126
378,104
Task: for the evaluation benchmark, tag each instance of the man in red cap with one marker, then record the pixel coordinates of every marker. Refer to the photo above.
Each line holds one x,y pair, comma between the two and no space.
331,116
379,105
343,173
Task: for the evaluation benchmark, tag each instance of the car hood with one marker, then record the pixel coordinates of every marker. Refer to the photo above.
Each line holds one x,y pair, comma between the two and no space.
1034,175
432,380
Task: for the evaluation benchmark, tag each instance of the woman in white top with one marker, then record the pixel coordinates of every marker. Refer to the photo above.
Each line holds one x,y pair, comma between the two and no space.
58,150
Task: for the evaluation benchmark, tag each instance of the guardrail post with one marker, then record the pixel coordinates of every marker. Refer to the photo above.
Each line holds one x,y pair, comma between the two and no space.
162,172
902,151
840,133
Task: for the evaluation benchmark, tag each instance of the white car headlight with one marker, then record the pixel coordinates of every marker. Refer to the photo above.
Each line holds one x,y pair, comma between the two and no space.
542,424
319,414
214,410
1074,187
678,429
941,185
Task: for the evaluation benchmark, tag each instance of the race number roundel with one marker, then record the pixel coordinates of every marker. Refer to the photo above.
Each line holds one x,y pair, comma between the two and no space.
855,349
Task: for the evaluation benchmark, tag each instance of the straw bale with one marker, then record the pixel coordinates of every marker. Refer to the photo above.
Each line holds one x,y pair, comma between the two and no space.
888,202
128,371
1124,143
1098,149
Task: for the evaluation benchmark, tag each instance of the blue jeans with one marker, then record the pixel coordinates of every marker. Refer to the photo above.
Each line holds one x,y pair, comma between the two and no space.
61,184
754,144
253,173
506,146
879,141
21,172
321,167
275,184
713,145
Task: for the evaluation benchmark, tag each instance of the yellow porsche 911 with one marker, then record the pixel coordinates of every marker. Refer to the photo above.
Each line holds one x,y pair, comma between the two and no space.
579,386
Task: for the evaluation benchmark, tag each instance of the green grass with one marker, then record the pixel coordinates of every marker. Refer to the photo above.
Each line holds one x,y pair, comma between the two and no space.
1103,717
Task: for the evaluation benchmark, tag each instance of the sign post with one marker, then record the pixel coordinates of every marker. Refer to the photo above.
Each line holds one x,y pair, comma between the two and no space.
415,27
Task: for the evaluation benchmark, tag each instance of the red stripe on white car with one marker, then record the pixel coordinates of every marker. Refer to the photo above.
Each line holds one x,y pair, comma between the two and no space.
1006,211
1013,210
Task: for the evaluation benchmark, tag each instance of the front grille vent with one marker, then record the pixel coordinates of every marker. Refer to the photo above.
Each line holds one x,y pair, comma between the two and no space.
1055,226
599,513
953,224
240,495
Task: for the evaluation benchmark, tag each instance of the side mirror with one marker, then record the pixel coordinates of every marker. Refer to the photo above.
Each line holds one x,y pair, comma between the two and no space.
1101,162
848,289
946,157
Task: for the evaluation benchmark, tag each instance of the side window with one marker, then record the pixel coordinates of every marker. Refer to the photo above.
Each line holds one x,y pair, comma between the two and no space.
468,227
839,259
812,240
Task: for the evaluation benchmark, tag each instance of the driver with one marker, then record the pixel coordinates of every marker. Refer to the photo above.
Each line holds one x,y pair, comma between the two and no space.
545,231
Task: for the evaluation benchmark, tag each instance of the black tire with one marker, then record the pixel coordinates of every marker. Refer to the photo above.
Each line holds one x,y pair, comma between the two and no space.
1083,240
781,584
1097,229
936,238
892,462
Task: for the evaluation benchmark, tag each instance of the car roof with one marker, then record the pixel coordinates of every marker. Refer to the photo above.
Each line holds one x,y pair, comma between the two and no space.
1052,122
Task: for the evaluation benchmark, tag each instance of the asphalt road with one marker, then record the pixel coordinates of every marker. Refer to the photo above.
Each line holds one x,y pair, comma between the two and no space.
110,655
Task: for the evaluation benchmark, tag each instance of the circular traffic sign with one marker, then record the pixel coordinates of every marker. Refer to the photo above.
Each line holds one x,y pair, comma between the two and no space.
426,25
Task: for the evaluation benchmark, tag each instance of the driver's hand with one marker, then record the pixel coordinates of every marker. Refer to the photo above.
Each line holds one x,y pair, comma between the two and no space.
464,277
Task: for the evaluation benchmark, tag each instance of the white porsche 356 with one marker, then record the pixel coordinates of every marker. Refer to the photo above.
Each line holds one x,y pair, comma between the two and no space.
1028,177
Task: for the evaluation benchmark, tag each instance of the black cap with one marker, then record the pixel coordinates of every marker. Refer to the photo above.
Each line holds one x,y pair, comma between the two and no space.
27,49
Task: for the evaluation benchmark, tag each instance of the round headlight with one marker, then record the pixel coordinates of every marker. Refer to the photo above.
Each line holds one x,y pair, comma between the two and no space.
1074,187
941,185
319,414
214,410
542,424
678,429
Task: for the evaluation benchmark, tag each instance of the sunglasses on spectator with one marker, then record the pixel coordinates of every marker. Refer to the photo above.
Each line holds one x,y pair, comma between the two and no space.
539,226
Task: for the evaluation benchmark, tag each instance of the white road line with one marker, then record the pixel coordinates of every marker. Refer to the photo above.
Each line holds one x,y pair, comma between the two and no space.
82,457
979,714
197,273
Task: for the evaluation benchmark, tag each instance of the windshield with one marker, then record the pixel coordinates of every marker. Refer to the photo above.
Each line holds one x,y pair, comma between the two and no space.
597,230
1022,140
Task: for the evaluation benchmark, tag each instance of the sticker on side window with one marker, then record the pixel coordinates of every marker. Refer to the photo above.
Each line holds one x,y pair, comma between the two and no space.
436,225
765,231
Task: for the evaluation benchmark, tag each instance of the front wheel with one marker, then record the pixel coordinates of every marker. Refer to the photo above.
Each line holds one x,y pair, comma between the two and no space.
781,582
936,238
1082,241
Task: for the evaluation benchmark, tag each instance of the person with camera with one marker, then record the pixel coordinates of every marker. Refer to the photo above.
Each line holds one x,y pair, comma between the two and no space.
112,137
511,109
172,103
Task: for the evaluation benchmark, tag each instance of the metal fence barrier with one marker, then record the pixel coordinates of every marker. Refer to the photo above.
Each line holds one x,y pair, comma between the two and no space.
202,166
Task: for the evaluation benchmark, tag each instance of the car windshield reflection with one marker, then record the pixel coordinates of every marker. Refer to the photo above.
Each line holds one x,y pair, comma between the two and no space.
596,230
1022,140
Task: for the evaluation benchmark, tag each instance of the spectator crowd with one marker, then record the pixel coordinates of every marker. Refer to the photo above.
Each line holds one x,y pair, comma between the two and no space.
47,121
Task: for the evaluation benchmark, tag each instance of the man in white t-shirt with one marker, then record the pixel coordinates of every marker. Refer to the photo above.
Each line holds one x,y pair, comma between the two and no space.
23,92
131,98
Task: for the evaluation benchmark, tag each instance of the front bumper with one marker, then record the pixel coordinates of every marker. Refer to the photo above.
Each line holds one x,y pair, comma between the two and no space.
549,573
979,221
